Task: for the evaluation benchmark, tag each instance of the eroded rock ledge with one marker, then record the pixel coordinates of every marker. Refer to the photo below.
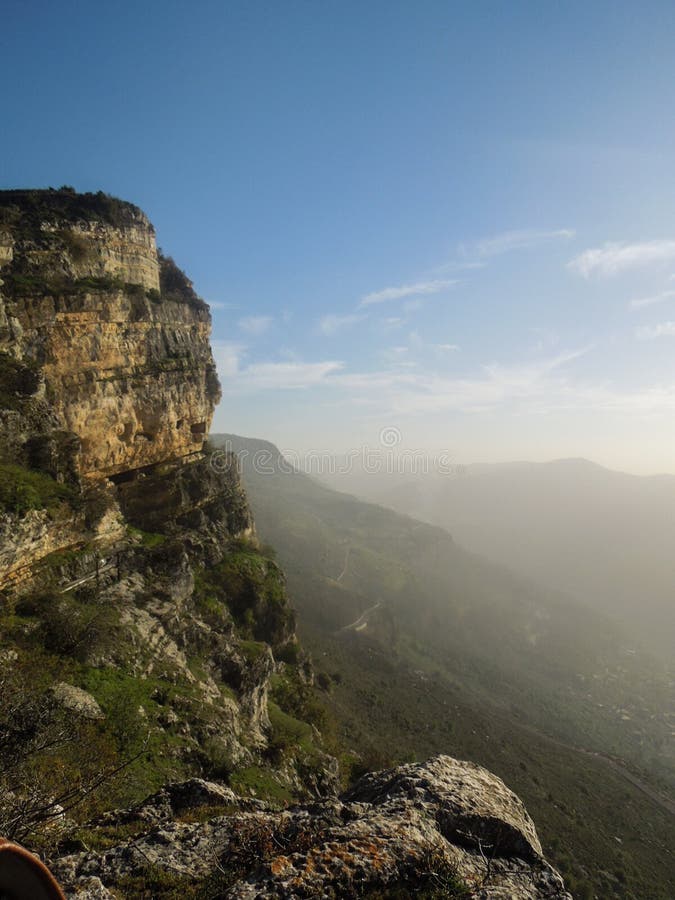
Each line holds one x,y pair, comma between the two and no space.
446,827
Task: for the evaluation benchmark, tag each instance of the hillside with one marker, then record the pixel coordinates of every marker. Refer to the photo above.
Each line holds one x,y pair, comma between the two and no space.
605,538
447,652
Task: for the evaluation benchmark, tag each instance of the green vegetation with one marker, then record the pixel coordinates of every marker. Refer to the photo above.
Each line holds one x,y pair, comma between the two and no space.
23,489
23,285
175,285
260,782
148,539
50,759
252,588
153,881
26,210
72,625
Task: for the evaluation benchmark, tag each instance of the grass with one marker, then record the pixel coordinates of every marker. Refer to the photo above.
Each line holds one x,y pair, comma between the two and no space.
23,489
260,782
252,650
148,539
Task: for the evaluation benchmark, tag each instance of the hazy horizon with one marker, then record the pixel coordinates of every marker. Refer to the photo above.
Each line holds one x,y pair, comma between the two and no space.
306,456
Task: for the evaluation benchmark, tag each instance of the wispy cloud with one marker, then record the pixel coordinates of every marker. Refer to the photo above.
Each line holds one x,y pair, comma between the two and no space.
222,304
331,324
227,356
613,258
651,301
418,289
268,376
255,325
537,386
522,239
650,332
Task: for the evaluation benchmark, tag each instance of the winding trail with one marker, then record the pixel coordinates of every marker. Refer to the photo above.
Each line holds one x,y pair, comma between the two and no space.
362,620
345,567
656,796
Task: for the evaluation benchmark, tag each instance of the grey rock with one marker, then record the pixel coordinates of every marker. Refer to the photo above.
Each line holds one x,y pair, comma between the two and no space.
415,826
77,701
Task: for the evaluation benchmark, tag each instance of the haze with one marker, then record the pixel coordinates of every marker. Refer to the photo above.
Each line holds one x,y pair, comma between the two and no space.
601,537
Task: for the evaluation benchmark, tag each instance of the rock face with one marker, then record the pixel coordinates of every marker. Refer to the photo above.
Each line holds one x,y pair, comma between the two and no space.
117,337
443,826
105,365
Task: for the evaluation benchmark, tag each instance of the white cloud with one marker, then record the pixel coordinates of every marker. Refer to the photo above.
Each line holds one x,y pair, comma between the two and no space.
612,258
411,306
221,304
542,386
448,347
281,376
408,290
651,301
227,357
255,325
331,324
650,332
534,385
514,240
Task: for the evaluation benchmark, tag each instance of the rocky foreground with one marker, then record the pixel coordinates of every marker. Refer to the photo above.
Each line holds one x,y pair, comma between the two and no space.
443,828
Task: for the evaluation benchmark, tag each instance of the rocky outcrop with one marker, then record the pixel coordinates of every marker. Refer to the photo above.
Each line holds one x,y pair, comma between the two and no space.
119,339
443,826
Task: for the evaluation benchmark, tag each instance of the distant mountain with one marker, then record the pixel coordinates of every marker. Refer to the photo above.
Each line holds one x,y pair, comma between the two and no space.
606,538
424,647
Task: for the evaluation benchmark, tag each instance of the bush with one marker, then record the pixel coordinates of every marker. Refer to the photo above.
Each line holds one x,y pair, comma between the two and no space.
50,760
76,627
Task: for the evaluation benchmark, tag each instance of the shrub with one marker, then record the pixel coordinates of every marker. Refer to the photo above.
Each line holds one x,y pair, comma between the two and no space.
75,626
50,760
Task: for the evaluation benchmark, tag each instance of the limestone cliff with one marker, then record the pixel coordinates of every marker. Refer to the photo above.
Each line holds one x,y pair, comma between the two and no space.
117,336
105,361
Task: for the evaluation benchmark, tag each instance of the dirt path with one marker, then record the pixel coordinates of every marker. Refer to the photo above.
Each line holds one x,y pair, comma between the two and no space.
345,567
362,620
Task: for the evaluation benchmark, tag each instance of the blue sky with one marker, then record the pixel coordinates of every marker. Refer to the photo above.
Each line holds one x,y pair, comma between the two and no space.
455,219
